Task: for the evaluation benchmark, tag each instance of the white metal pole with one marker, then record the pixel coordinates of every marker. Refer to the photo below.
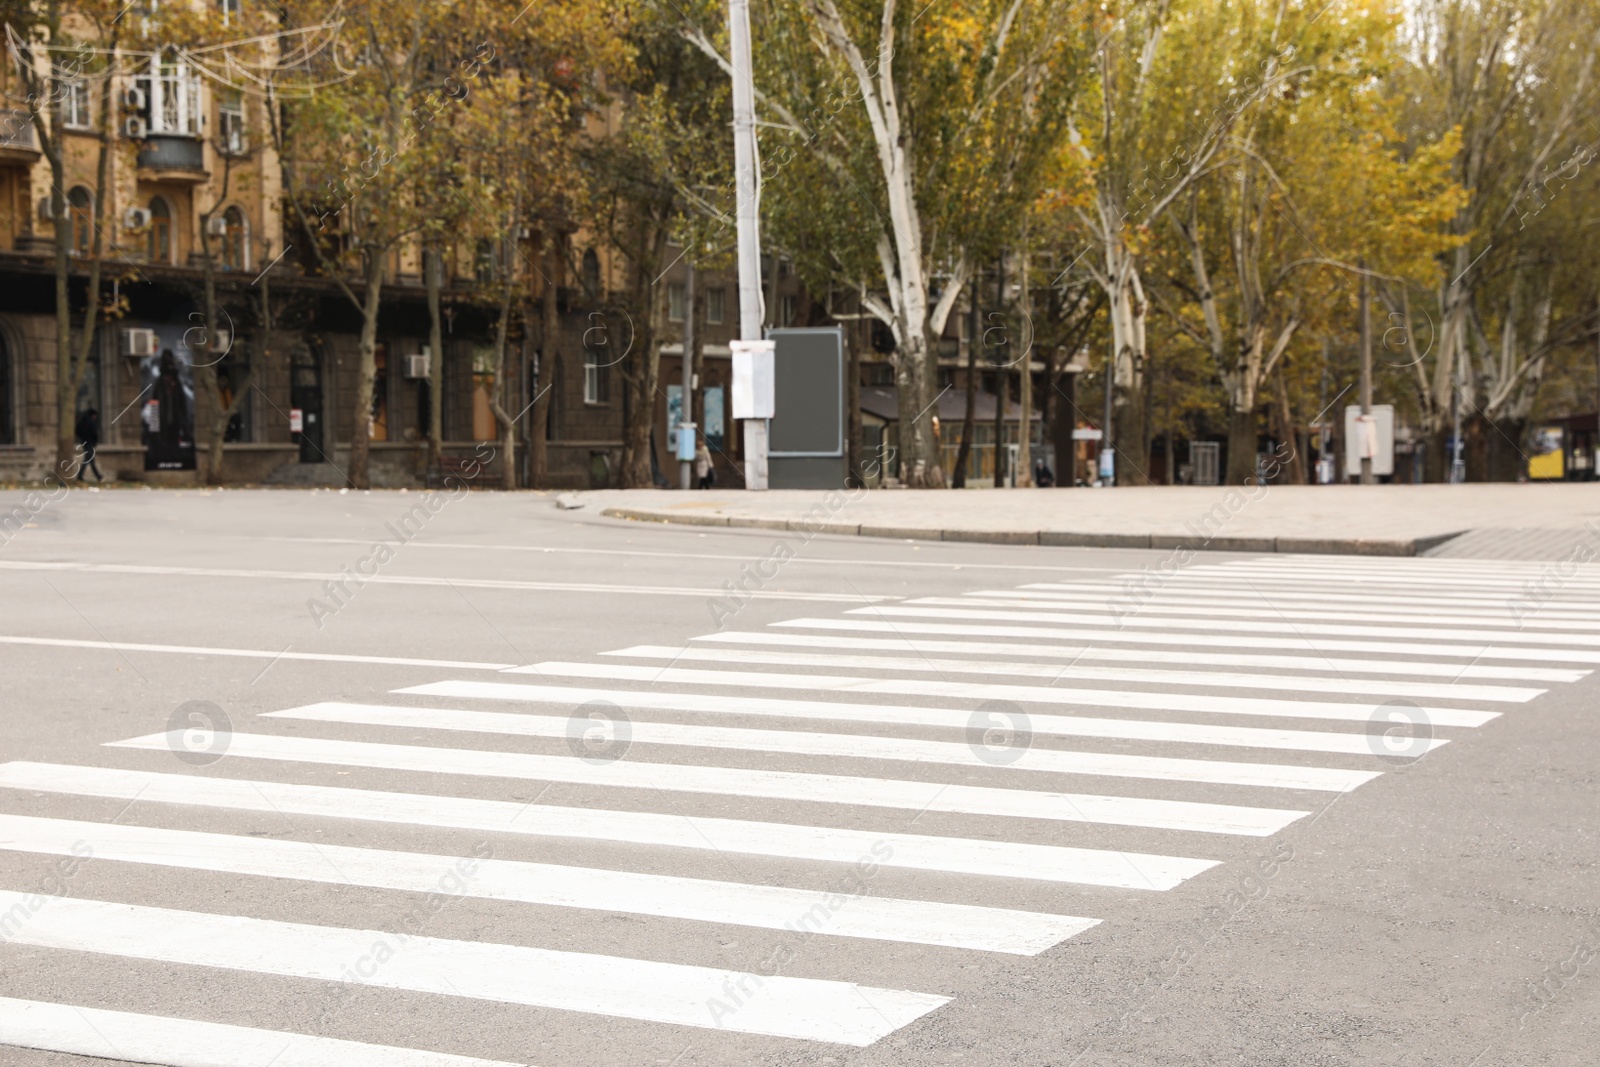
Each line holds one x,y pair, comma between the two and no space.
747,216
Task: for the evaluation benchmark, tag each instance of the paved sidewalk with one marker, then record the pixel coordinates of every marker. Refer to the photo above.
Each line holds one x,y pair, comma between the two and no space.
1531,521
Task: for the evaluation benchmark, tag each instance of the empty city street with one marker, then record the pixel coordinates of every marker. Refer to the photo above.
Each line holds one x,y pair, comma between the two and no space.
316,778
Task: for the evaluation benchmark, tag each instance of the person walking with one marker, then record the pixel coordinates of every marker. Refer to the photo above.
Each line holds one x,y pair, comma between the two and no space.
705,474
88,432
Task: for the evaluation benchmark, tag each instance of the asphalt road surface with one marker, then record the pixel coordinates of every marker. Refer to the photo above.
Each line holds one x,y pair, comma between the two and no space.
321,779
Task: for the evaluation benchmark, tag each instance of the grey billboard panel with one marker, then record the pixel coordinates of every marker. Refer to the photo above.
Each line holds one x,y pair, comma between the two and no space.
808,419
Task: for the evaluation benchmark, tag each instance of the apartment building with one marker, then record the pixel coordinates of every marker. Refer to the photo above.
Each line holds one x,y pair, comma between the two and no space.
190,165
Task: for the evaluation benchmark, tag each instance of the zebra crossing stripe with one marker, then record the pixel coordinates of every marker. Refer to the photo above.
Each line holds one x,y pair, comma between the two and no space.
572,697
1076,653
1053,672
159,1039
981,691
1101,634
738,781
1191,593
850,746
1515,637
810,1009
788,841
1117,605
764,906
1192,588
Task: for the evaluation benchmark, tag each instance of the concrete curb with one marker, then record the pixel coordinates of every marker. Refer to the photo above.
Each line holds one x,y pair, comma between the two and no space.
1331,546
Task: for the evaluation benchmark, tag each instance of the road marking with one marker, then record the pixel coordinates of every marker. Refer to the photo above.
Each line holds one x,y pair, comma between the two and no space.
851,746
1091,652
131,1038
742,782
764,906
459,583
1111,605
1141,622
806,1008
789,841
570,698
1191,640
255,653
1202,588
1054,672
982,691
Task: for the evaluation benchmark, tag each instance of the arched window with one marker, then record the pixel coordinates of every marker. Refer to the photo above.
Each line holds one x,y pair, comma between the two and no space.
80,218
591,272
235,240
160,231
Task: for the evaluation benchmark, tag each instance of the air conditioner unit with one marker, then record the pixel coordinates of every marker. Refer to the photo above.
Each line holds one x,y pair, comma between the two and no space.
134,99
417,366
136,218
524,232
217,226
221,341
237,147
135,128
46,210
139,342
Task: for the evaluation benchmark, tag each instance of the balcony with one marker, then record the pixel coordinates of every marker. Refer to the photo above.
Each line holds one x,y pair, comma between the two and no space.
173,157
17,144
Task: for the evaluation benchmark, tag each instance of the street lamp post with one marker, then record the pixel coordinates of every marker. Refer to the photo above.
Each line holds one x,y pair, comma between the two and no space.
747,218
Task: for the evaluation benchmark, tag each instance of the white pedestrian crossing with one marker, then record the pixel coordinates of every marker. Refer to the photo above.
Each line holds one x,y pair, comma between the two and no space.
833,744
807,1008
129,1037
772,907
903,794
1344,684
849,746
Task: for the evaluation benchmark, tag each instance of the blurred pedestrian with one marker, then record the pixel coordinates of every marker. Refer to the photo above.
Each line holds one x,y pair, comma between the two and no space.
705,474
88,433
1043,476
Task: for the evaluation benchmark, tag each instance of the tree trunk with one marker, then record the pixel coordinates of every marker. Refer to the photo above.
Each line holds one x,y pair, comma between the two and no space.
1066,420
433,277
1001,388
1290,434
366,375
639,386
958,477
502,372
1476,432
1241,446
1436,457
549,340
919,461
1025,378
1128,311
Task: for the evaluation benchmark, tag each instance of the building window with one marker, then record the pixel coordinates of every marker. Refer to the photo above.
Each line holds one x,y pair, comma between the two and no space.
160,231
229,9
75,103
235,240
79,205
591,272
596,376
677,303
789,309
172,98
230,124
715,304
